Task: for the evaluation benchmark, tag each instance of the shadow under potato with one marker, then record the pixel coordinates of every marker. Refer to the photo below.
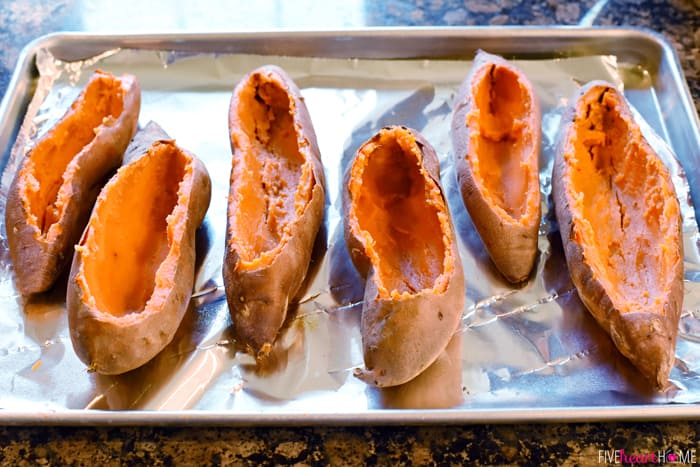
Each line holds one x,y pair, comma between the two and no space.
438,387
202,244
346,286
409,111
133,389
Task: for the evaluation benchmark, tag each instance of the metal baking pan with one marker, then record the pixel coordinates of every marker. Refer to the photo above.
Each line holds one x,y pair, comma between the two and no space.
543,360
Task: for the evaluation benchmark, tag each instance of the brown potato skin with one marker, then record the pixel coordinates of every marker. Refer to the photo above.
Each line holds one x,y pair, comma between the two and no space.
113,345
647,339
258,299
512,246
402,338
143,140
37,262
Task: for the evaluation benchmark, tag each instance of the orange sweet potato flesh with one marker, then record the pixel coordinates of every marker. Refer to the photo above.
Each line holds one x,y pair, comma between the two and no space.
57,182
275,207
131,254
133,272
400,225
496,141
400,236
620,224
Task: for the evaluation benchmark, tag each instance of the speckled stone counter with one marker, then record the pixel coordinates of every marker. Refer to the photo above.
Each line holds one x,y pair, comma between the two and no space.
547,444
539,444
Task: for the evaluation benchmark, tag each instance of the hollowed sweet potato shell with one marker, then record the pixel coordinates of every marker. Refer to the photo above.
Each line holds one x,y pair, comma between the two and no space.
496,136
58,181
133,271
400,236
620,224
275,205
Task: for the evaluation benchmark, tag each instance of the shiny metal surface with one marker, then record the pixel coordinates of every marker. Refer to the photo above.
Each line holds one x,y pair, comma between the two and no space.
531,353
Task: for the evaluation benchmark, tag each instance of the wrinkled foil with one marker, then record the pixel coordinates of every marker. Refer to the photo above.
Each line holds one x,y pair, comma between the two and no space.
533,346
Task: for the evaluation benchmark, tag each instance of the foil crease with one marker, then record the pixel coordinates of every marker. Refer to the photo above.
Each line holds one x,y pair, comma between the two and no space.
530,347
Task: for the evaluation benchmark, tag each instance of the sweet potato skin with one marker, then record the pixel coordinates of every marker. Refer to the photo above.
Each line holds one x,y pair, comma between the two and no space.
401,338
647,339
512,245
111,345
259,298
37,261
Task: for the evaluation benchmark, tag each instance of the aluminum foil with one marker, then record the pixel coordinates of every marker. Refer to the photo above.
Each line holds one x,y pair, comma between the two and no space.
529,347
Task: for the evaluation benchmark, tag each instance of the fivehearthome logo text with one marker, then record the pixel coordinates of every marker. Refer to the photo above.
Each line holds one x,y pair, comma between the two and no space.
620,456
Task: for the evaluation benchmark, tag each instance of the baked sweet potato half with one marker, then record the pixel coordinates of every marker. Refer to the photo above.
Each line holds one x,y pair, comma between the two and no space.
133,271
399,233
275,204
496,137
57,182
620,225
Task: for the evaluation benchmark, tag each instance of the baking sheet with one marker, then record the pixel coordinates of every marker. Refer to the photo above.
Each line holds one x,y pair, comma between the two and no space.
528,348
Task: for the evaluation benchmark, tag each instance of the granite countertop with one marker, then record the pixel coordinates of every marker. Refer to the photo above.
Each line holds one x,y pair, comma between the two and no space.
550,444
